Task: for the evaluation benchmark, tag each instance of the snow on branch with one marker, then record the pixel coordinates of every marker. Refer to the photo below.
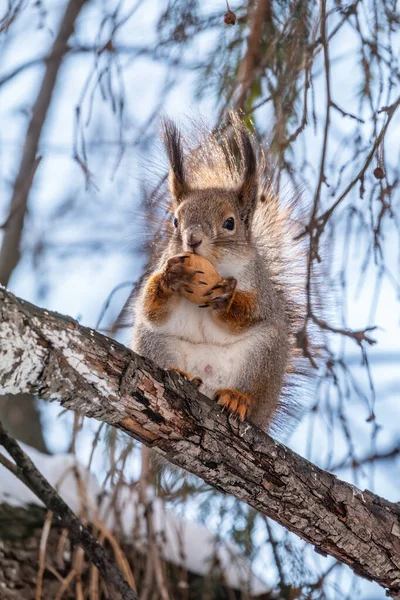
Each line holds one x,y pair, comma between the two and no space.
56,358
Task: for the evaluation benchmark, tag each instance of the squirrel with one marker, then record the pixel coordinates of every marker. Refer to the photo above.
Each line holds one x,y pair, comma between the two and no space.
238,346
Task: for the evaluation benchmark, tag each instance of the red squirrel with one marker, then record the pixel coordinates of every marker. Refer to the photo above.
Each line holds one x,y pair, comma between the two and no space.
238,344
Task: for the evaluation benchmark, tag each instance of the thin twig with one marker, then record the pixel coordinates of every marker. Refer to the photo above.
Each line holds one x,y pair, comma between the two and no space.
42,553
26,471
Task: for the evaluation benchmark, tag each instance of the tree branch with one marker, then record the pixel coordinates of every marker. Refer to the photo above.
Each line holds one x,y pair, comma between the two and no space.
247,72
26,471
14,223
55,357
10,247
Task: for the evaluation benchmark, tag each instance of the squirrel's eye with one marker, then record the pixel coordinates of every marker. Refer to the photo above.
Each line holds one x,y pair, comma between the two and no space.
229,224
175,222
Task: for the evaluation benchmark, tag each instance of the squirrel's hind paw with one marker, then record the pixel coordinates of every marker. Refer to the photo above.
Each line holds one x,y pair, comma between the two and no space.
234,401
196,381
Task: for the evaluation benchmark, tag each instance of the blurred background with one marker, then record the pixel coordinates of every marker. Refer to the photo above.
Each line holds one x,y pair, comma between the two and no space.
83,86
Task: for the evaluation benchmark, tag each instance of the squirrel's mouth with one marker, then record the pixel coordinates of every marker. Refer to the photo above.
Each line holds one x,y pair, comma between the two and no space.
204,250
193,248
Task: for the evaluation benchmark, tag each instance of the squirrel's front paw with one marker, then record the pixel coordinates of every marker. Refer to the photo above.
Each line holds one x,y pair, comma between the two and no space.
179,276
221,295
234,401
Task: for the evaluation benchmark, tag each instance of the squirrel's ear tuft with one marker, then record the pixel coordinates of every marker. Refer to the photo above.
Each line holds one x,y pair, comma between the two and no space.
248,191
173,146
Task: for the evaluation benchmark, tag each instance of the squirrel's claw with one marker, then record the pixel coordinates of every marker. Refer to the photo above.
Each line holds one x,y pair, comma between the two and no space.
179,276
221,295
234,401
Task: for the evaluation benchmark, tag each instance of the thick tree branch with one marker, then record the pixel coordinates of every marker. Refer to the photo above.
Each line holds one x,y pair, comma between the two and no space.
53,356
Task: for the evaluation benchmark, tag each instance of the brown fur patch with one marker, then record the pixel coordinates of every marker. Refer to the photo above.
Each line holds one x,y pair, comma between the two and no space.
234,401
156,299
240,312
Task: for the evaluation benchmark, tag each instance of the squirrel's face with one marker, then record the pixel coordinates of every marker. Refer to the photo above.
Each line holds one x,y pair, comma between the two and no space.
212,222
208,222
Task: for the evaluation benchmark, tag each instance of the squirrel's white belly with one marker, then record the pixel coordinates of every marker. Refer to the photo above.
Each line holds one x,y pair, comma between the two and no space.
205,349
218,366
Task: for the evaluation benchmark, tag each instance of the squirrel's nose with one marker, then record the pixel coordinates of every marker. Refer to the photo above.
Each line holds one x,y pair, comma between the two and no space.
194,240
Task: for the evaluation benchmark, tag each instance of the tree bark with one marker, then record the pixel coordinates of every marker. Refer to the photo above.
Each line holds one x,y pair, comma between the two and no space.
56,358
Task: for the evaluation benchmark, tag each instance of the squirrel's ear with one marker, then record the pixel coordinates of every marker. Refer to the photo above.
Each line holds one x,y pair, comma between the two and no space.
248,191
173,146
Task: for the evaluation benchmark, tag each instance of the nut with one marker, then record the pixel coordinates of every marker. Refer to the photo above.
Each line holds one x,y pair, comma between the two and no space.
204,281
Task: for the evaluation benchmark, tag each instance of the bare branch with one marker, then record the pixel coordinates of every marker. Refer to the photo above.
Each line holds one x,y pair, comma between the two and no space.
390,111
10,251
26,471
261,15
